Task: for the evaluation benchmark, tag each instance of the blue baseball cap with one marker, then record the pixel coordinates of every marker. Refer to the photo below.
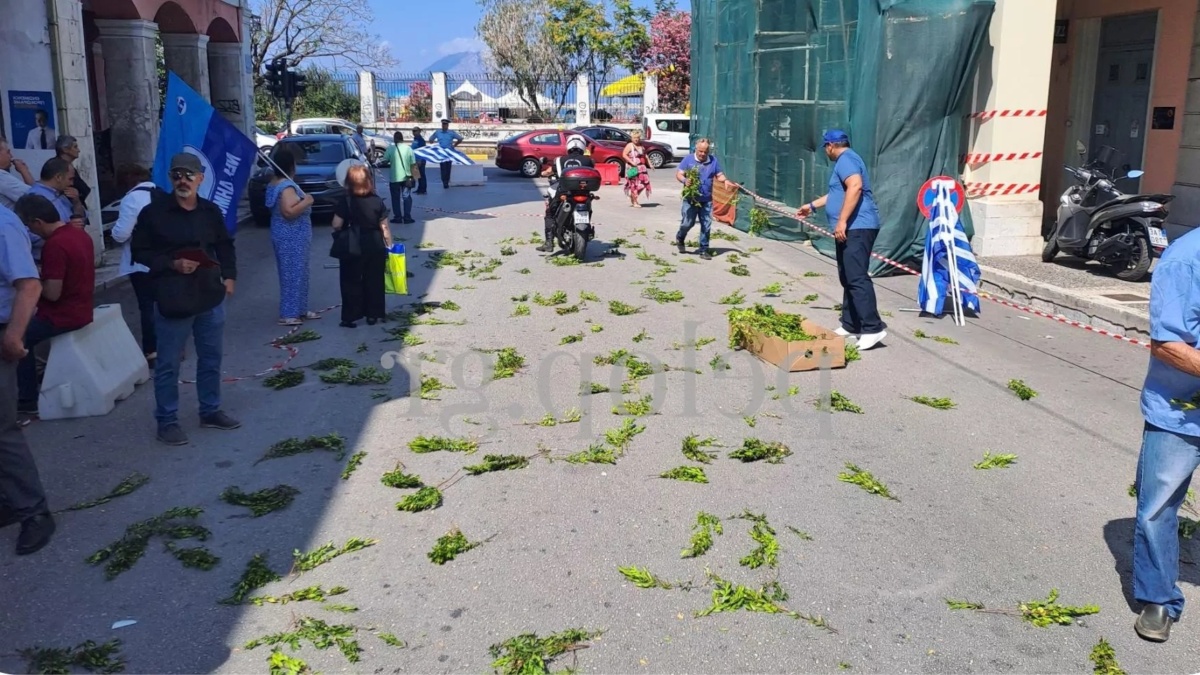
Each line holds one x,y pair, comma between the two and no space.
835,136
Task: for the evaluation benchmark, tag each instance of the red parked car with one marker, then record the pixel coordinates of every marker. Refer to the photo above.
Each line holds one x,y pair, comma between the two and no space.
522,151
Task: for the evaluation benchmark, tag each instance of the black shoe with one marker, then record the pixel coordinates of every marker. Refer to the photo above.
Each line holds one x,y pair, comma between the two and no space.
705,255
35,533
679,245
172,434
219,420
396,221
545,248
371,322
348,324
8,518
27,407
409,221
1154,623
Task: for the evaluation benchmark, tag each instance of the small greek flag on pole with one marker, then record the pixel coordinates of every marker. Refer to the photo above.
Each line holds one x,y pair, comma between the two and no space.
949,270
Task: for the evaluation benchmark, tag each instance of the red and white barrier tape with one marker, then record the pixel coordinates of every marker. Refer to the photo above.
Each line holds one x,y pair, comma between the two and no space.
986,115
1000,189
982,158
786,211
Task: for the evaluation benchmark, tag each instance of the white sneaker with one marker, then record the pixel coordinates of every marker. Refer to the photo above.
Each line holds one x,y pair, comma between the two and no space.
868,340
843,332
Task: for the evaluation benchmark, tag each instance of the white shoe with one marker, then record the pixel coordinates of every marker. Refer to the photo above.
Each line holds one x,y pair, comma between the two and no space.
843,332
869,340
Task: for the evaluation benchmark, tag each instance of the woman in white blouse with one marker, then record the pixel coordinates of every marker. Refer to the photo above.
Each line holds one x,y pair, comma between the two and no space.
136,179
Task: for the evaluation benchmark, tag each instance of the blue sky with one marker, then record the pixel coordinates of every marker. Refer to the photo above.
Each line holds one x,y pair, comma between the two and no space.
428,31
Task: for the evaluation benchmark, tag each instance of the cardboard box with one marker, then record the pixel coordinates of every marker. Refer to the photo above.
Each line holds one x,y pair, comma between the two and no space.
800,355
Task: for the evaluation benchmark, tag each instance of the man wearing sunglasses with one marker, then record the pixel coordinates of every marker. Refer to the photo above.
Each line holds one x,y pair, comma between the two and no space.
181,238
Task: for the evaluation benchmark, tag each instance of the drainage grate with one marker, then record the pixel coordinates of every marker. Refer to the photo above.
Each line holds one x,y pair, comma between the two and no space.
1126,297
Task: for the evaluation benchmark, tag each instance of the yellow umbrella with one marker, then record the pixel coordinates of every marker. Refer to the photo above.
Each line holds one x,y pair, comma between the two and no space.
632,85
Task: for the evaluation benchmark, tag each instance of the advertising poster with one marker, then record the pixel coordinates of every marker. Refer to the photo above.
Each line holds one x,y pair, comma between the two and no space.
32,119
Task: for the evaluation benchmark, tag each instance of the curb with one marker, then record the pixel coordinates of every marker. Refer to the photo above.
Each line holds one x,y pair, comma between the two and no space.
1111,317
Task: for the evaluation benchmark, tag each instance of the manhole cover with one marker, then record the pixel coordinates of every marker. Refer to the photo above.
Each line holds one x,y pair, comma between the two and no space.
1126,297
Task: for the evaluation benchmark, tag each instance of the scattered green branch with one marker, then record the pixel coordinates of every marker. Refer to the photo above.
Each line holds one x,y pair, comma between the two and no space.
662,297
96,658
508,362
426,444
131,482
306,562
838,402
690,474
1022,391
702,535
739,271
864,479
735,298
773,288
298,337
122,554
316,632
1041,613
331,364
746,324
991,461
364,375
753,450
767,551
430,386
521,310
644,578
595,454
422,500
1105,659
497,463
450,545
852,353
759,221
727,597
636,407
263,501
392,640
527,654
295,446
693,448
571,339
962,604
800,533
284,379
396,478
622,309
313,593
555,298
257,575
937,403
351,466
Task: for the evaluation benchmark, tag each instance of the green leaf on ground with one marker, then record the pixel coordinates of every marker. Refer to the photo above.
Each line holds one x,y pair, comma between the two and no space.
396,478
937,403
622,309
693,449
644,578
352,466
296,446
1022,391
306,562
991,461
451,545
690,474
864,479
702,535
298,337
424,444
121,555
131,482
284,379
753,450
257,575
263,501
97,658
1104,657
527,654
497,463
422,500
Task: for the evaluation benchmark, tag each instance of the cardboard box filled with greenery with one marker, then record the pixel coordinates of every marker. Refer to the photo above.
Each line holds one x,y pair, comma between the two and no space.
788,341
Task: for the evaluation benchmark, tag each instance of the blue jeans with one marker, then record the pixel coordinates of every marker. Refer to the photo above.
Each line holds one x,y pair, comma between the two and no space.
401,201
207,330
692,212
860,314
423,181
1164,472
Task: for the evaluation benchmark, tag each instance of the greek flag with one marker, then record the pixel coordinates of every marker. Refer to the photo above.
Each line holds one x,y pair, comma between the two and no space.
436,154
190,124
945,245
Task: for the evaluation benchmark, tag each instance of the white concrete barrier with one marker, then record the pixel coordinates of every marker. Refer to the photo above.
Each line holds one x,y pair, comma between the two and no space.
92,368
471,174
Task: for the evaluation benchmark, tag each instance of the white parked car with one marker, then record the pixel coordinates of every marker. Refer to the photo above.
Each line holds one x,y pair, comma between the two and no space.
263,140
670,129
377,144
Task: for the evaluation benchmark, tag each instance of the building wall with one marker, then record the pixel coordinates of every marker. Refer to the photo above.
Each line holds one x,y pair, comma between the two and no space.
1185,210
1169,86
25,39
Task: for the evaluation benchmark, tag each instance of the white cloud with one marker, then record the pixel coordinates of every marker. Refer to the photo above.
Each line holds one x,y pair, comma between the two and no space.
462,44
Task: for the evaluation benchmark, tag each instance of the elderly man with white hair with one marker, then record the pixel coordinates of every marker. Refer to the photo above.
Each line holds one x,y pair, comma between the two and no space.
699,206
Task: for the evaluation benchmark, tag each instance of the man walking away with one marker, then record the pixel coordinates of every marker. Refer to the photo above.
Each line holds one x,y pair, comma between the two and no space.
1170,438
419,142
134,180
448,140
360,142
182,239
12,187
403,170
854,217
68,286
22,498
699,207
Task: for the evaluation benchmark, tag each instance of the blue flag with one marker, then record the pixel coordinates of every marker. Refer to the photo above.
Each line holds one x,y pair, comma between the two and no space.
946,232
193,126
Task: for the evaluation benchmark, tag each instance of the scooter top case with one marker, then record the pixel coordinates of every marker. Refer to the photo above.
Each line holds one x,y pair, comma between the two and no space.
581,179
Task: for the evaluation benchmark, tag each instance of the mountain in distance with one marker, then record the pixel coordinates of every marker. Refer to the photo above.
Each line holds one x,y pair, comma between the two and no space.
459,63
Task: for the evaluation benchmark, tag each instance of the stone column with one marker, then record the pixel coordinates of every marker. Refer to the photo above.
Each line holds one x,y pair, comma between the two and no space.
650,95
1013,75
131,82
441,99
249,112
187,55
583,100
229,95
366,97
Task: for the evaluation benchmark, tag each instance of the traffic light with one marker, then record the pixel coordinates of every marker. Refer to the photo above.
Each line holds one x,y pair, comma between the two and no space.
277,78
297,83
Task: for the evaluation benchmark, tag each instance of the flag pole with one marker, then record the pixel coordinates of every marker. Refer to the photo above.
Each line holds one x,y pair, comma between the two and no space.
269,160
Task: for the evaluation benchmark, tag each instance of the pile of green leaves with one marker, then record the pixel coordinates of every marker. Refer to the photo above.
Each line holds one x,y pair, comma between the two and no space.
991,461
262,502
330,364
508,362
691,474
298,337
426,444
449,545
759,221
396,478
283,379
343,374
660,296
735,298
693,448
102,658
767,551
702,535
856,476
838,402
295,446
306,562
1022,390
122,554
616,442
1104,657
317,633
739,271
635,407
257,575
430,386
132,482
497,463
942,403
753,450
422,500
527,654
744,324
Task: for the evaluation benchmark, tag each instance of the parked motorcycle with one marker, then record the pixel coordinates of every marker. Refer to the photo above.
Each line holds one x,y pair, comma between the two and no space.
575,189
1096,221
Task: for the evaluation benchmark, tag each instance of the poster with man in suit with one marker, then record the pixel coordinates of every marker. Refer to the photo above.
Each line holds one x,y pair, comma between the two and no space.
32,119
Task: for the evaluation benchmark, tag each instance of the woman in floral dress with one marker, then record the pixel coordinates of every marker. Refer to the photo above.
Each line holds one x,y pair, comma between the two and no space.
291,235
636,164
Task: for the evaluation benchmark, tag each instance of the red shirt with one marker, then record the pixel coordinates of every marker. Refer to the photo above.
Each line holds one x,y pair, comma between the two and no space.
68,255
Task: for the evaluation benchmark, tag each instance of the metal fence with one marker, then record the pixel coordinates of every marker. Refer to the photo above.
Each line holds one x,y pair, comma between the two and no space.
618,99
483,98
403,97
348,81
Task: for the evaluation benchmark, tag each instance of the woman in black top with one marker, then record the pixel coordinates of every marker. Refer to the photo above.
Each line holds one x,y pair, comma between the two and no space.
362,276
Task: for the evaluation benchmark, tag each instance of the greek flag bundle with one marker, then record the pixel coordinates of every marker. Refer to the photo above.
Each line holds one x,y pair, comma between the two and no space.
436,154
948,257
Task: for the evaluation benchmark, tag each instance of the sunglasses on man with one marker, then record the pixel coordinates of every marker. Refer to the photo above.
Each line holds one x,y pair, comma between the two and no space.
182,174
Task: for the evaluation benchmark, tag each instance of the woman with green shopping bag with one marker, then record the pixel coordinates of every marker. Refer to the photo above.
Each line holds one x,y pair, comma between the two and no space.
637,170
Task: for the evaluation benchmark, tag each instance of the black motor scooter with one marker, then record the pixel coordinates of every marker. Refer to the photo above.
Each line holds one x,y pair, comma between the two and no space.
575,191
1096,221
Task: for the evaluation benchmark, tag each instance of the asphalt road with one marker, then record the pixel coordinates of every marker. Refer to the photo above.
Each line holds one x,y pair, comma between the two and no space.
555,533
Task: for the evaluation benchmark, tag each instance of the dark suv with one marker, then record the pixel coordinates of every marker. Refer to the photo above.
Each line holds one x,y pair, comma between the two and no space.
657,154
317,158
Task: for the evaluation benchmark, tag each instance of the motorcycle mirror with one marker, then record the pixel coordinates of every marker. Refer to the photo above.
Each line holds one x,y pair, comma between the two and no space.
1136,173
1080,148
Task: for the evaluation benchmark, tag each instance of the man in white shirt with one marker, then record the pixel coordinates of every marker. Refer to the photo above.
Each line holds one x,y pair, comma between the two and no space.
12,187
140,189
42,136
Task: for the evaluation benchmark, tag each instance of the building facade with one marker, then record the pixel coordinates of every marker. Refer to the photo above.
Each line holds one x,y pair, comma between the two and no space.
94,69
1093,73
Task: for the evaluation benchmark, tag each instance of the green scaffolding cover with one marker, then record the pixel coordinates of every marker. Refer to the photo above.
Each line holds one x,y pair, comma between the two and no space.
769,77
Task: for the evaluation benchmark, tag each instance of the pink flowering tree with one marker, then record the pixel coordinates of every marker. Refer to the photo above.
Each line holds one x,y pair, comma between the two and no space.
420,101
670,58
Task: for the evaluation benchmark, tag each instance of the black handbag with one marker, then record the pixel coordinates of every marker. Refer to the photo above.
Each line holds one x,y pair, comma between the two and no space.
346,241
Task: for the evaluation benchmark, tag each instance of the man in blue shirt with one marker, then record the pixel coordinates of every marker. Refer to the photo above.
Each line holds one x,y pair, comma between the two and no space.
700,206
448,140
22,497
418,142
854,217
360,142
1171,437
58,185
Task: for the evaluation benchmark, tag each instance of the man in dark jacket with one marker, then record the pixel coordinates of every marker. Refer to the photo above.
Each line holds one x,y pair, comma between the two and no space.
182,239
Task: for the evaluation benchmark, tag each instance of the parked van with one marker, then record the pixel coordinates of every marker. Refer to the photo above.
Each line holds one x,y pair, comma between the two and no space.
671,129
